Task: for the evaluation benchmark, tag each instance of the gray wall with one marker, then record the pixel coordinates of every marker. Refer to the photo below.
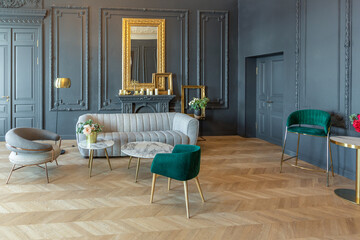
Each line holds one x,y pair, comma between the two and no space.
83,41
319,40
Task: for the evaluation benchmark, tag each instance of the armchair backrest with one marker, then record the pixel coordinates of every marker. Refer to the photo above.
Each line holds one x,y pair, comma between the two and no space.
310,117
191,155
22,139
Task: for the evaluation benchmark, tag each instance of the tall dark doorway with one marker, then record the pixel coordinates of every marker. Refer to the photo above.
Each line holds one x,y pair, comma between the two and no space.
270,83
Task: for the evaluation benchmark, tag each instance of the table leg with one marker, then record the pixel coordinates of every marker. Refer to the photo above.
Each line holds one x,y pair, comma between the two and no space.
91,161
349,194
357,186
137,170
107,157
89,158
129,162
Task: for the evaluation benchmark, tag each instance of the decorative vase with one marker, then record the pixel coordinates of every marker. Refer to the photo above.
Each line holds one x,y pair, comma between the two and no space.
91,138
197,113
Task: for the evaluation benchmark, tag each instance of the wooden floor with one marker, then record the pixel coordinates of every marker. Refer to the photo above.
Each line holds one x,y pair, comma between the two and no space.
246,198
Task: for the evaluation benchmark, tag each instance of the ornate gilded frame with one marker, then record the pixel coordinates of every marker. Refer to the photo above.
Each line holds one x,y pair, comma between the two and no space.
183,87
126,47
159,80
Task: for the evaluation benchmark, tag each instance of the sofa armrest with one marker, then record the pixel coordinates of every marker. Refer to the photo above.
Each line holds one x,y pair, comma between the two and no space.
187,125
82,118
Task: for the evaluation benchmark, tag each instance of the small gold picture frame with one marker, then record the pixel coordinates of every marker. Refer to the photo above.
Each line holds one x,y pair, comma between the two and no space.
159,79
202,89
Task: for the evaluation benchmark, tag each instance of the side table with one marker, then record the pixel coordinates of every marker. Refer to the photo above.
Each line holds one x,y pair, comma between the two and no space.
350,142
99,145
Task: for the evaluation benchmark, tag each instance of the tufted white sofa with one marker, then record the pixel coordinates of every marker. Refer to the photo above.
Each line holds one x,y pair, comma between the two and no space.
171,128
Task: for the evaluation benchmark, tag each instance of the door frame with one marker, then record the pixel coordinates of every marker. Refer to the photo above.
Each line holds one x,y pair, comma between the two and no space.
251,93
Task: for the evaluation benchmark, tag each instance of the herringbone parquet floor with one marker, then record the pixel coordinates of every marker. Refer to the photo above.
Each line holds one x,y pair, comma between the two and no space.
246,198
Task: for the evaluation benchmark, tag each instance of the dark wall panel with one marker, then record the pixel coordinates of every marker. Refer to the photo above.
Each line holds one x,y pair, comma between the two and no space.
320,57
213,50
319,39
110,53
102,21
69,57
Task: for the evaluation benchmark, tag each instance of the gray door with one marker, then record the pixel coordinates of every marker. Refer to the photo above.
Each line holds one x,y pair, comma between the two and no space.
269,98
19,74
5,86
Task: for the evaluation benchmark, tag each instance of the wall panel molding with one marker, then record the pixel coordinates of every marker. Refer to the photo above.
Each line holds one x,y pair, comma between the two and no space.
222,18
343,109
297,54
107,101
78,101
348,62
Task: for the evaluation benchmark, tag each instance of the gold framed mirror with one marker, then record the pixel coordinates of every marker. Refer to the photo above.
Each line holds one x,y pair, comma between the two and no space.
138,34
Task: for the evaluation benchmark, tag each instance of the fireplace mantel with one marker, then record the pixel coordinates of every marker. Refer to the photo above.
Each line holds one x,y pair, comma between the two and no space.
145,103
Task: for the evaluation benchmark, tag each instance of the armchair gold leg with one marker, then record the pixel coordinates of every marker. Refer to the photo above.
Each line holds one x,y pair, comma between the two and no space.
129,162
169,183
153,187
297,150
137,170
283,150
186,199
46,171
10,173
331,161
107,157
56,162
199,188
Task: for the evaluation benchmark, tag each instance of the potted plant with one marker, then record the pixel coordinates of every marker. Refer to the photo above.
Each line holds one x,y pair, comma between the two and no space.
355,121
197,104
90,129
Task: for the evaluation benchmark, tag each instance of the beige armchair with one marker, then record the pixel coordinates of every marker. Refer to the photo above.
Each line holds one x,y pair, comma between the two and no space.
26,151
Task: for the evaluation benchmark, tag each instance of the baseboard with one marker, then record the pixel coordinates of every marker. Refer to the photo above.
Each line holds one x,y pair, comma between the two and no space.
68,137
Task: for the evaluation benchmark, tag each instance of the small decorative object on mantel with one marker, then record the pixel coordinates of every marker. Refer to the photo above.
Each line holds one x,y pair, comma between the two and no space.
159,79
90,129
133,84
355,121
198,104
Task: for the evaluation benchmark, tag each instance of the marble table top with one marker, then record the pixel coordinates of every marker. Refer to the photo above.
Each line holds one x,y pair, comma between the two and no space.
100,144
145,149
346,141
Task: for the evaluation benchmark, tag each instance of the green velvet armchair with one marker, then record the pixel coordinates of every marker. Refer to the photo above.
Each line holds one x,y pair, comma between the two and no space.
309,122
182,164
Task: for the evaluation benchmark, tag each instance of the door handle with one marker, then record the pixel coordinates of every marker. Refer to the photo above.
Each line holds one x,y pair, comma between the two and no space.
7,98
269,101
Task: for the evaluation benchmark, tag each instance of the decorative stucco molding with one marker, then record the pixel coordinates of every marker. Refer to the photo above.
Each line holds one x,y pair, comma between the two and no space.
19,3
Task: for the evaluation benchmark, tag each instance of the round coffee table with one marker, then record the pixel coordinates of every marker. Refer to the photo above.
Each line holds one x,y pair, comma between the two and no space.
99,145
144,150
350,142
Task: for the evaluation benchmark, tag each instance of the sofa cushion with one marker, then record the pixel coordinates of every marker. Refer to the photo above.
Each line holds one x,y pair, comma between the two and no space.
170,137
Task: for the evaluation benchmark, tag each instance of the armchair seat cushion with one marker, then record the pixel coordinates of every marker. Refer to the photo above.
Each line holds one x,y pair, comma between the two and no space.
35,158
308,131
